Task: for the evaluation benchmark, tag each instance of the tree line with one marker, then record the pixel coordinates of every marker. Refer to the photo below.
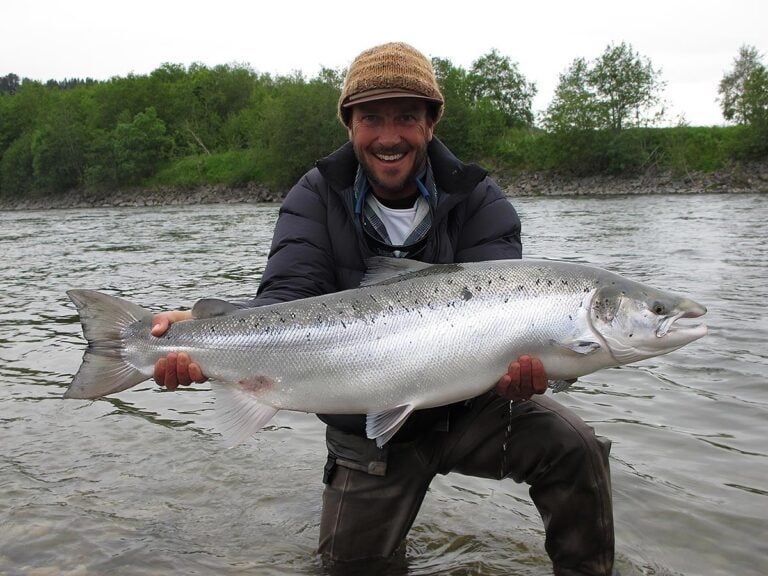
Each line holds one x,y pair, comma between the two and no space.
229,124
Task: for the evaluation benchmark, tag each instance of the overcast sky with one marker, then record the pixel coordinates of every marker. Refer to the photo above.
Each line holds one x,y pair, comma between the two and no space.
693,42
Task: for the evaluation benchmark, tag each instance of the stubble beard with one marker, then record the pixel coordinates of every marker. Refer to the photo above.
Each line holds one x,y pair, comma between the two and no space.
399,186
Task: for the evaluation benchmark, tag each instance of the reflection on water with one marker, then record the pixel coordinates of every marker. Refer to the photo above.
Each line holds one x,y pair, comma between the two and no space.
139,483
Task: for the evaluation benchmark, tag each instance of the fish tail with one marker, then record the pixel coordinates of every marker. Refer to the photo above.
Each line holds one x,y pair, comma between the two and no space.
104,369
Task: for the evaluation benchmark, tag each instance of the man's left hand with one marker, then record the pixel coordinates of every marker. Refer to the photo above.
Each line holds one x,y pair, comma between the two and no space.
524,378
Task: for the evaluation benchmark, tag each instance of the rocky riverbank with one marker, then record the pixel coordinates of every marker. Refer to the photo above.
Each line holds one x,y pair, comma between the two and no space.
138,197
742,178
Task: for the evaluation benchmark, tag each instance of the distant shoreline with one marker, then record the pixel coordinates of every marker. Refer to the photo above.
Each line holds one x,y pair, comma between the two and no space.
743,178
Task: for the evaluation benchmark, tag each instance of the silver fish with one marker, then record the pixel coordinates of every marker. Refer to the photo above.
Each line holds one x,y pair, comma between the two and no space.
412,336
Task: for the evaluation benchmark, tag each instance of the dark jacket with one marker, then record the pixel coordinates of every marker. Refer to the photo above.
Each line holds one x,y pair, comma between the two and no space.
319,246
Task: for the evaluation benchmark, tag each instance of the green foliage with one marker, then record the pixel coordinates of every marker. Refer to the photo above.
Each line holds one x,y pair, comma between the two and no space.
59,145
139,146
9,84
739,96
228,124
16,167
681,150
618,90
297,126
482,104
232,168
495,84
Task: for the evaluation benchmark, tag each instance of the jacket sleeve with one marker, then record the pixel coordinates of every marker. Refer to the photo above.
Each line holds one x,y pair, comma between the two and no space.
491,228
300,263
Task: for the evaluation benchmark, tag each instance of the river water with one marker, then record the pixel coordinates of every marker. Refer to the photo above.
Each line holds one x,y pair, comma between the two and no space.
139,483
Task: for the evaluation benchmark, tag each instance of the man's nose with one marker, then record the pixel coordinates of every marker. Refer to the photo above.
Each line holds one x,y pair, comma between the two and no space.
389,133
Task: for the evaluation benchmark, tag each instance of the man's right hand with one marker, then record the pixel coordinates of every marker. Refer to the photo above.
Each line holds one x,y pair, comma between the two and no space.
174,369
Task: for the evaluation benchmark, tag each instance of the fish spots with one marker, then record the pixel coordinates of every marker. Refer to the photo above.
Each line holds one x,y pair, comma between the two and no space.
466,294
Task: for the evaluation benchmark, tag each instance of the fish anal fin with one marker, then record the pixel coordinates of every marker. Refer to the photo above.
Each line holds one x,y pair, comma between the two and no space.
239,410
382,426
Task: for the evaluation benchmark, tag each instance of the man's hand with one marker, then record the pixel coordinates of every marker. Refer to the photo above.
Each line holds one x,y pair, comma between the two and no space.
174,369
524,378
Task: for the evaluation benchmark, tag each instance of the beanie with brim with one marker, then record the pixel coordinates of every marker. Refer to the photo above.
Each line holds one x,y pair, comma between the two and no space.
393,70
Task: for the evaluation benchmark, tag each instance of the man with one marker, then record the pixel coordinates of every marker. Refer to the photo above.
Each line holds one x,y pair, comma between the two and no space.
395,190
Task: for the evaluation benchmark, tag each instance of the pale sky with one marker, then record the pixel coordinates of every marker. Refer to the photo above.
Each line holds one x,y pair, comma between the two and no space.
694,42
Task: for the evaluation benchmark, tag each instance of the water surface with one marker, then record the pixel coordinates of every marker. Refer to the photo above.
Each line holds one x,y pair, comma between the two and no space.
139,483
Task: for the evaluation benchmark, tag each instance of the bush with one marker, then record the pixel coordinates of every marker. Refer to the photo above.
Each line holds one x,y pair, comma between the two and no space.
231,168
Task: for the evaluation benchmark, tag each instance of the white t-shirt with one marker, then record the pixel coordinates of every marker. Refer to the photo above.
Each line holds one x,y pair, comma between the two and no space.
399,222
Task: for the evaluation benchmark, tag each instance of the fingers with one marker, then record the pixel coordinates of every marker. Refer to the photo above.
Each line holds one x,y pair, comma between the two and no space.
160,371
160,323
177,370
195,373
171,381
524,378
162,320
538,376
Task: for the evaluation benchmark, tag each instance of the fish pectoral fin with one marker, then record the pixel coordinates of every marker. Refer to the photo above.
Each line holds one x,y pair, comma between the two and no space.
240,414
383,425
583,347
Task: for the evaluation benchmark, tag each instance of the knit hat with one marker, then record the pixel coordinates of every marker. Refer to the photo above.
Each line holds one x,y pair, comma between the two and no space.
393,70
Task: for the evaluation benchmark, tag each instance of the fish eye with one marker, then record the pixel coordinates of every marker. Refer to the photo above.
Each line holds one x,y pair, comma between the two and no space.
659,309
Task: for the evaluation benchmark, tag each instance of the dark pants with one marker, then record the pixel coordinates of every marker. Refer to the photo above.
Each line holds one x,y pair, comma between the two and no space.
539,442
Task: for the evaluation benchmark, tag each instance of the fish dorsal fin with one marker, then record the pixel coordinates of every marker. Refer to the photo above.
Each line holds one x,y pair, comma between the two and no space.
239,412
383,425
212,307
380,269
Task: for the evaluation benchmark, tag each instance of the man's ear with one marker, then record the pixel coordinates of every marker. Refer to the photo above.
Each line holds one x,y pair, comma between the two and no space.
430,129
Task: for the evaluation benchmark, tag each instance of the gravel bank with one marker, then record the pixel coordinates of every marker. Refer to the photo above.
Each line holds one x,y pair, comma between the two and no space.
742,178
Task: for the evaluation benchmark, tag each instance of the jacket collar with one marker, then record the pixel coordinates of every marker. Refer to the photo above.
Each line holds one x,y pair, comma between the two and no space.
452,176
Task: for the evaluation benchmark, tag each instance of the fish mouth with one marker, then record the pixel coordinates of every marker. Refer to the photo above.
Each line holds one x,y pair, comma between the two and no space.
688,309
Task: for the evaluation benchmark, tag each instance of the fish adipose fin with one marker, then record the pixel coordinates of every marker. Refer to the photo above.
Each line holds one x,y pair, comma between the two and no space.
104,318
212,308
383,425
239,412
